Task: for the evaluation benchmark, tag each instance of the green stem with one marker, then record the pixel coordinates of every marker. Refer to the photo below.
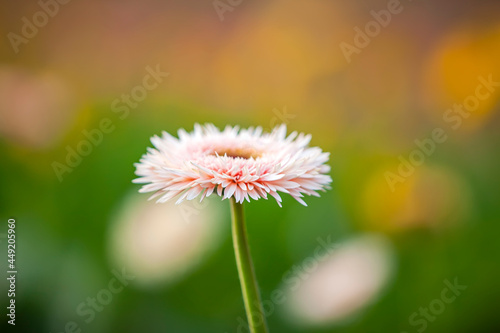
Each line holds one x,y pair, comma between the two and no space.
246,272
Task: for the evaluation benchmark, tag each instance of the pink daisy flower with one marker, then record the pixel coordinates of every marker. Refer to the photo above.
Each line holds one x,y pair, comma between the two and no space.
239,163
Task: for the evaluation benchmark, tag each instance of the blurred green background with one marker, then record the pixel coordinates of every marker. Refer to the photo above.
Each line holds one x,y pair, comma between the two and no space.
251,63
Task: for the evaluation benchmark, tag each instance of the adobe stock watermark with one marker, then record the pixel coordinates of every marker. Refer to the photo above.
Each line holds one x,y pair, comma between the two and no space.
31,26
280,117
454,117
189,208
88,309
120,106
292,280
420,319
223,6
363,37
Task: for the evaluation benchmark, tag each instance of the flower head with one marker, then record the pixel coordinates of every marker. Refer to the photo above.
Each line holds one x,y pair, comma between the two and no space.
239,163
